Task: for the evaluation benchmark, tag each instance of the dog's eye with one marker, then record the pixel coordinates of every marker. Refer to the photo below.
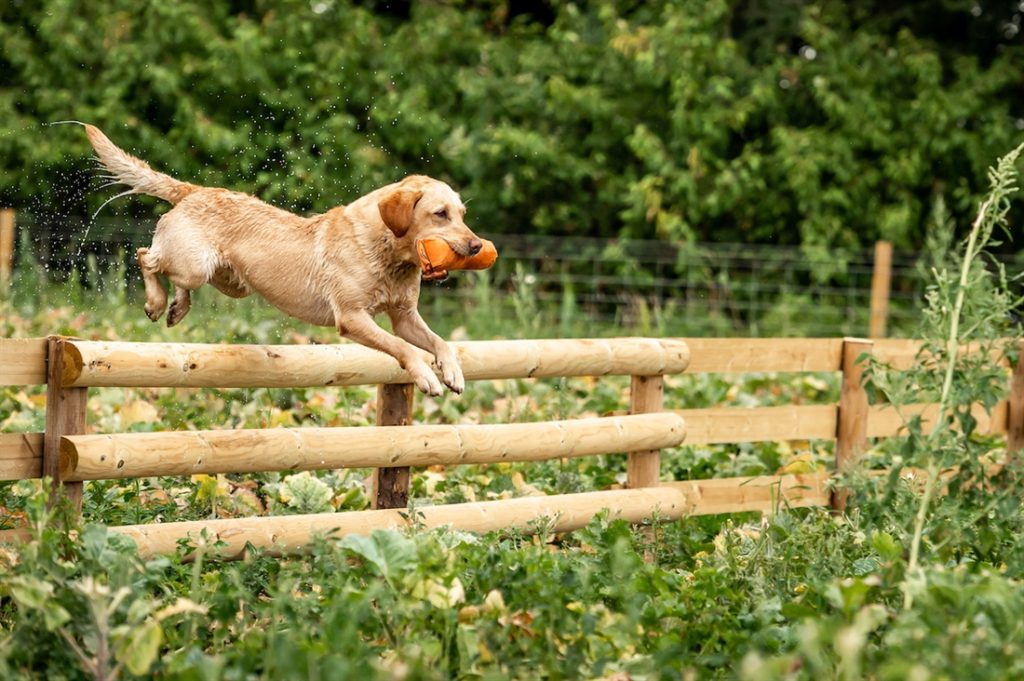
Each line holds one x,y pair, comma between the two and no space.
443,213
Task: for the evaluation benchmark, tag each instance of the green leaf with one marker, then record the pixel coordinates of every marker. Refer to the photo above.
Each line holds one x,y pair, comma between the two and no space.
388,550
885,545
94,539
54,616
306,493
30,592
139,649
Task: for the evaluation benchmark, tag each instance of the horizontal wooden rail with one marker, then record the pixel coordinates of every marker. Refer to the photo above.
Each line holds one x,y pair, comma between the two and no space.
21,456
670,501
900,353
21,453
782,355
759,424
137,455
722,425
746,355
763,493
22,361
885,421
193,365
117,364
292,534
903,353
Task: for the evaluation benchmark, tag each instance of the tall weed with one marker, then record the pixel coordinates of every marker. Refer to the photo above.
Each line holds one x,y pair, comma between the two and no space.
955,488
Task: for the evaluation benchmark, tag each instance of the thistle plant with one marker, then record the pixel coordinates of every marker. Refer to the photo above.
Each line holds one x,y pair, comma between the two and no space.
968,333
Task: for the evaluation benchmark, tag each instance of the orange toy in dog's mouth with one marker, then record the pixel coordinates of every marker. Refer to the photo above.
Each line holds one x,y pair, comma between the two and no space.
437,257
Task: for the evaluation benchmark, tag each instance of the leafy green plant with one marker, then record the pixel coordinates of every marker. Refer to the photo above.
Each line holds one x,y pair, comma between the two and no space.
304,493
88,600
971,304
986,317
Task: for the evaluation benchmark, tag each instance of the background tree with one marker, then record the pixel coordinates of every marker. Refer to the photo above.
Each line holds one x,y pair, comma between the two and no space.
823,123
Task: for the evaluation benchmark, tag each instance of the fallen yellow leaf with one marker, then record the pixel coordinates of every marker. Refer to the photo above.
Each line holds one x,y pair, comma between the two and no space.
138,411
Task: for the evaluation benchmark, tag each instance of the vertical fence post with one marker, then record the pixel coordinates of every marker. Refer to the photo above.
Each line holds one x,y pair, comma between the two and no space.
65,415
852,421
881,284
1015,427
6,246
390,486
643,468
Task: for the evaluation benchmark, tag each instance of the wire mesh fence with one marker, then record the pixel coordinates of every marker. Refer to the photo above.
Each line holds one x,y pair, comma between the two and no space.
572,286
706,288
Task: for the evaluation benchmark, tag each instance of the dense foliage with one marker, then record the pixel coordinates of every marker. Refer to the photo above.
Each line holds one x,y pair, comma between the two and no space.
823,123
797,596
922,579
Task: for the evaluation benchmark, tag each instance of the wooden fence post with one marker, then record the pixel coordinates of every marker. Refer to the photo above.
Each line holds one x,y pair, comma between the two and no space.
643,468
390,486
881,284
852,421
6,246
1015,427
65,415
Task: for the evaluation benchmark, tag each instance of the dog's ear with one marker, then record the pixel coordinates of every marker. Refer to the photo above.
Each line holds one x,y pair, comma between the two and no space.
396,210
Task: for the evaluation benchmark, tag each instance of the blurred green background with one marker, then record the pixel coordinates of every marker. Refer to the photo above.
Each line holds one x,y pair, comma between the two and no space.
824,124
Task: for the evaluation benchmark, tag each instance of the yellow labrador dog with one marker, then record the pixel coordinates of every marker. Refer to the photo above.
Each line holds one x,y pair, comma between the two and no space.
336,269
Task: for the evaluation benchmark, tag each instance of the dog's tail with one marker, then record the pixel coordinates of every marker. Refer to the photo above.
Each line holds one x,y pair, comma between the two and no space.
134,172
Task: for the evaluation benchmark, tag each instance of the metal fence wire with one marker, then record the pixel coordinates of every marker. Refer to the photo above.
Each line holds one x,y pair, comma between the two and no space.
654,286
710,288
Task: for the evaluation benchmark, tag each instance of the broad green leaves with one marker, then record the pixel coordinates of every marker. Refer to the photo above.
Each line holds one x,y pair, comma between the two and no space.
389,552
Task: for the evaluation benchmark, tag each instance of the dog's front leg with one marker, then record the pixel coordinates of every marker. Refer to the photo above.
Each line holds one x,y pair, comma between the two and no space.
360,327
409,325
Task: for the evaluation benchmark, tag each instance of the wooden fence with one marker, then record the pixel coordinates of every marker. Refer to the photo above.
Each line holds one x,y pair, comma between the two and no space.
68,454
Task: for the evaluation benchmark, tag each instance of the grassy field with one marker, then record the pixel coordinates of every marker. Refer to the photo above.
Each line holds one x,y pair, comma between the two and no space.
795,594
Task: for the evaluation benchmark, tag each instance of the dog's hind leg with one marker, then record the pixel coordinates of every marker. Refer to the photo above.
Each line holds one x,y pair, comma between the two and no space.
180,306
156,295
188,270
184,283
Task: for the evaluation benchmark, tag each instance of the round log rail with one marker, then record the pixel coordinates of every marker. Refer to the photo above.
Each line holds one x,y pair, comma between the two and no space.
138,455
565,512
293,534
196,365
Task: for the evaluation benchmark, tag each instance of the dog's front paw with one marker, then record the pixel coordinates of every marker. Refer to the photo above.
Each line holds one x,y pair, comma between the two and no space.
451,374
153,312
425,379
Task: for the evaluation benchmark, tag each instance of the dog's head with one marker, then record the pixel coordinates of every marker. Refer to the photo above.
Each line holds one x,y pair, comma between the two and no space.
421,207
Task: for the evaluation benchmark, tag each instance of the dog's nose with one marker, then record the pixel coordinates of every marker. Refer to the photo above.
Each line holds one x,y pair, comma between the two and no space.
474,246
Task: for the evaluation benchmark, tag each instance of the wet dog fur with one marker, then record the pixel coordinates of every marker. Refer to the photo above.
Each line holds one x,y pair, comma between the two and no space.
337,269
